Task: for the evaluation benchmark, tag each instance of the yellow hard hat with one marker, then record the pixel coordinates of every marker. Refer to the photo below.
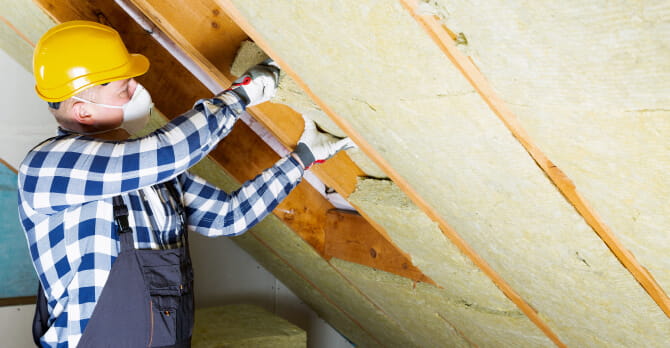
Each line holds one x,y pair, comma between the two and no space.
75,55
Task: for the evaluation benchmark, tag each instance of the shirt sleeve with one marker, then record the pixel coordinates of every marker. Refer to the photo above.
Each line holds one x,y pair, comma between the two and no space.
213,212
75,169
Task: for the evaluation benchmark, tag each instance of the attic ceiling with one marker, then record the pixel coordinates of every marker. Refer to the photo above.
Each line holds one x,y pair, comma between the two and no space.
512,173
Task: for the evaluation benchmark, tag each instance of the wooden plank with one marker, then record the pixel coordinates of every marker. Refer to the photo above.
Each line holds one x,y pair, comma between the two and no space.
440,35
187,28
449,232
211,39
351,238
15,301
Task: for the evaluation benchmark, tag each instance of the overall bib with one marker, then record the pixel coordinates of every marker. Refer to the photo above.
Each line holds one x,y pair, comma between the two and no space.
148,298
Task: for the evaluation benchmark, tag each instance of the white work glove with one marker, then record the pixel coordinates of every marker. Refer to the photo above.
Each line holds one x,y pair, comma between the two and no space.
258,84
316,147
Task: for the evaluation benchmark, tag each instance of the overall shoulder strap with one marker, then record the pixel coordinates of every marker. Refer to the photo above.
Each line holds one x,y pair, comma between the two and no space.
179,207
121,219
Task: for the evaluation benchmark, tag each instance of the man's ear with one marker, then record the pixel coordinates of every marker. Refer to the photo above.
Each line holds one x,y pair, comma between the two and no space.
81,114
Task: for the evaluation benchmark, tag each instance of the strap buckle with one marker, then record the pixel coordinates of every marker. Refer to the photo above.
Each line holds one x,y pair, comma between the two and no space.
121,215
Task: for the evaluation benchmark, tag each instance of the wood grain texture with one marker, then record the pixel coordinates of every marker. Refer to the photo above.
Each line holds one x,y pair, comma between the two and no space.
348,237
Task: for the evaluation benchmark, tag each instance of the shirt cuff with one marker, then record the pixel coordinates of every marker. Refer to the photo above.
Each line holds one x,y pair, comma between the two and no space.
230,97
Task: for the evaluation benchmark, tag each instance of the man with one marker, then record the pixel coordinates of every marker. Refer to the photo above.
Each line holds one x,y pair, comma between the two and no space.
106,216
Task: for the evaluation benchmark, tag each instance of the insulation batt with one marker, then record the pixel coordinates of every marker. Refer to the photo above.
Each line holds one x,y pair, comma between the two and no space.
244,326
292,95
384,76
590,83
484,316
382,201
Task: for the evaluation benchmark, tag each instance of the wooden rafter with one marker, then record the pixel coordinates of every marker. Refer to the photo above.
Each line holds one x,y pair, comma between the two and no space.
440,35
431,212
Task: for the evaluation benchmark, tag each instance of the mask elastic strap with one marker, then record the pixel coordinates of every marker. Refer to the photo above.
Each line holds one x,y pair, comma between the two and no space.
105,105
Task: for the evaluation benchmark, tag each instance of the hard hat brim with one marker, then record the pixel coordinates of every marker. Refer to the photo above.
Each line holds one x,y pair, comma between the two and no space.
137,65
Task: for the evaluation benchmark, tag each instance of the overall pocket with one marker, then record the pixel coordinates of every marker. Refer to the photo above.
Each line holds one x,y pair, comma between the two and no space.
169,280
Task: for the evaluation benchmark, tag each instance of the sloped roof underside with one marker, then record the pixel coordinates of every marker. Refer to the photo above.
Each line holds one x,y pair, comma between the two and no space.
515,260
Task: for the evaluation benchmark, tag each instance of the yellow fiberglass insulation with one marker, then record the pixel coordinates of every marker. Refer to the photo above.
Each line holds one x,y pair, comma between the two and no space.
468,300
292,95
376,67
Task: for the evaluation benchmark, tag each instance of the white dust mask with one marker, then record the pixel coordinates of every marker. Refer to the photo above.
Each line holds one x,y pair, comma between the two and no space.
135,112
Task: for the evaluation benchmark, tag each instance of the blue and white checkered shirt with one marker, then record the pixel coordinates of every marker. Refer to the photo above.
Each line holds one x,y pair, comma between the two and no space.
67,183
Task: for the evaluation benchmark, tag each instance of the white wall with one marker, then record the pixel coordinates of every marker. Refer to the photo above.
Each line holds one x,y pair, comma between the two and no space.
25,121
15,326
224,272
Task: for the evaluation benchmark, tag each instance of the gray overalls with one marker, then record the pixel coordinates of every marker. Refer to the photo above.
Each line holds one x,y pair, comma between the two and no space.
148,298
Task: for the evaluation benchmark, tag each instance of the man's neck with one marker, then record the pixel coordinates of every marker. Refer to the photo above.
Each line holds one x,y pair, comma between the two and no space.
118,134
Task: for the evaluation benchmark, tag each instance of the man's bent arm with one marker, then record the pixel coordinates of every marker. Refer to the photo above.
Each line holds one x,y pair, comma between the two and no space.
213,212
75,169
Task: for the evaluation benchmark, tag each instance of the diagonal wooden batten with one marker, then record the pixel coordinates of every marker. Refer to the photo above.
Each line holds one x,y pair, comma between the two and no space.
197,38
440,35
339,172
465,248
